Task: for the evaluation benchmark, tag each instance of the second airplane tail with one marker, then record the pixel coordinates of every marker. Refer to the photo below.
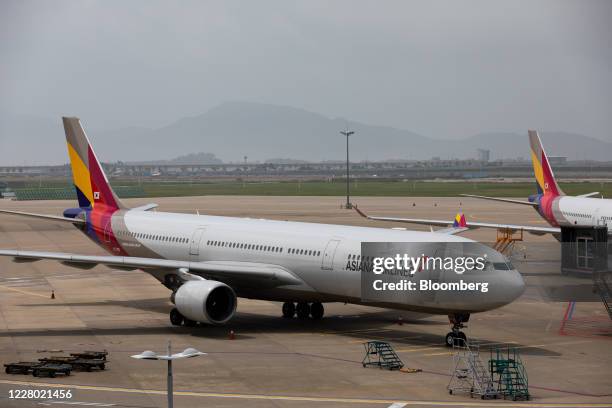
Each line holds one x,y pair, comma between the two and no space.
92,186
545,179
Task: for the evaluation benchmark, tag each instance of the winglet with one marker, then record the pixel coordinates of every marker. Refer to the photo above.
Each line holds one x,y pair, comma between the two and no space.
360,212
459,221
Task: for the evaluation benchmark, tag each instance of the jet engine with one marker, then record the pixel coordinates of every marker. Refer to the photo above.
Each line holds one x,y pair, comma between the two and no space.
206,301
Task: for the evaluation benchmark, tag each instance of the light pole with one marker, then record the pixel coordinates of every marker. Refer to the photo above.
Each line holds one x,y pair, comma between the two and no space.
347,133
151,355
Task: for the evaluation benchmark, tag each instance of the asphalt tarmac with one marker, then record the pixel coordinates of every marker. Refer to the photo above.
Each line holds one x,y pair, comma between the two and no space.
275,362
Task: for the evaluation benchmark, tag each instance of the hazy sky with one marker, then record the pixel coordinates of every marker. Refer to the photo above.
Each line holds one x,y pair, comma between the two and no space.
446,69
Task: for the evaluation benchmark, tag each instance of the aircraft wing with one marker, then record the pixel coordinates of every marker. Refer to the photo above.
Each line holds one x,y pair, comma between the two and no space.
44,216
468,224
504,200
594,193
451,230
222,270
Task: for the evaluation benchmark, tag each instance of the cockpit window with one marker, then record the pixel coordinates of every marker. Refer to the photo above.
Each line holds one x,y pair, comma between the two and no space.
503,266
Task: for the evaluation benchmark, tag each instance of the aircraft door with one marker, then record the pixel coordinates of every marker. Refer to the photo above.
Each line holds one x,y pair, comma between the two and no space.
108,230
194,244
597,219
328,254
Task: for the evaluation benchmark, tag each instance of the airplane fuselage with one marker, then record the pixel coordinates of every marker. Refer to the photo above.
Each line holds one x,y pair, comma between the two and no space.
567,211
325,258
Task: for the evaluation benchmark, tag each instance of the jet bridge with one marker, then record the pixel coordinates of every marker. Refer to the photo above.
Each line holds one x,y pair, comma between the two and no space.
585,251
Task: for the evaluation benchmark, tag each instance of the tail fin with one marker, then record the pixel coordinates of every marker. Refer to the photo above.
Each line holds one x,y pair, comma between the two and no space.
545,179
90,182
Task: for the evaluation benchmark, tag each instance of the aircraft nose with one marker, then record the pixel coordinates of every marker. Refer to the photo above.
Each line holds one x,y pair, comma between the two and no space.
514,285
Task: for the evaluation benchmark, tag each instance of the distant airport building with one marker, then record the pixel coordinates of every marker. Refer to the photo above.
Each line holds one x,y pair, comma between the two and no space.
484,155
557,160
278,169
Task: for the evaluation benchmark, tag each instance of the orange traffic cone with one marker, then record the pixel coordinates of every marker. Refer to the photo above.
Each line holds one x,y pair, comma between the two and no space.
232,335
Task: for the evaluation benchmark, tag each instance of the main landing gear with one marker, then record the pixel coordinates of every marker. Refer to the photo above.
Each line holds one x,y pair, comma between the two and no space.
177,319
303,310
456,337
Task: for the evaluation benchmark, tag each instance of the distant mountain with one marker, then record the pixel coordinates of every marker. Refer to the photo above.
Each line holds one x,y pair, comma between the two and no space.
237,129
233,130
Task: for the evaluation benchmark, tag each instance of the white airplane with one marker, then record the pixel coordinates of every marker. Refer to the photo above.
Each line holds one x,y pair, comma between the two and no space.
551,202
558,209
209,261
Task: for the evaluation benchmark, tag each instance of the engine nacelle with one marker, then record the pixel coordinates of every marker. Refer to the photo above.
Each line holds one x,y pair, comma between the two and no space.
206,301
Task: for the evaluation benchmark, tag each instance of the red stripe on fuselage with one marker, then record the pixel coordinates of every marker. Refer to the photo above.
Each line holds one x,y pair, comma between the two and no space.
101,222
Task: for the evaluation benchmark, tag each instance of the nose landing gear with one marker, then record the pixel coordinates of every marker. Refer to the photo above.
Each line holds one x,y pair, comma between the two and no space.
456,337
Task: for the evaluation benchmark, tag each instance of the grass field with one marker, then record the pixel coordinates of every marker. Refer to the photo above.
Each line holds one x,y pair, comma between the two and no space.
338,188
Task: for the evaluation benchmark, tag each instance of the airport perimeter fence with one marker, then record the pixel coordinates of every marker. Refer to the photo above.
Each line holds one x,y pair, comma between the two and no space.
28,194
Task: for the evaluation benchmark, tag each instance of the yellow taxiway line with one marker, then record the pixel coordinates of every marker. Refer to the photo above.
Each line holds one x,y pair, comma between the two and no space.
307,398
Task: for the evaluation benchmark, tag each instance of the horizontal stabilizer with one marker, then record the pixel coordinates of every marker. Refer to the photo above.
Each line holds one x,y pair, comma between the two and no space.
589,194
145,207
44,216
